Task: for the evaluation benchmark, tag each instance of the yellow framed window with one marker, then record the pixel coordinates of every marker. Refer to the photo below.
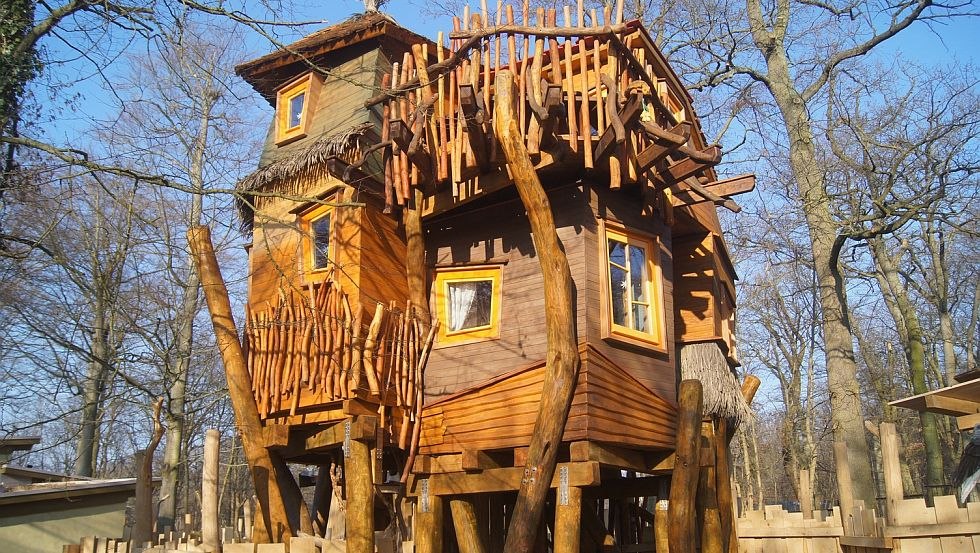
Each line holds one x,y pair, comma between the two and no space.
317,228
295,107
468,303
633,289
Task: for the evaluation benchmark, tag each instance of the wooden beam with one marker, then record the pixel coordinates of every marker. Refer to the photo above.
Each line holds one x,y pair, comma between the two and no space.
951,406
276,436
664,143
475,459
362,428
684,481
505,480
434,464
563,360
967,422
891,469
683,195
690,166
712,536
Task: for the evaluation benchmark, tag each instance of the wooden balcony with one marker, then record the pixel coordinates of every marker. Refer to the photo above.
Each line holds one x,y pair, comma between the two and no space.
593,96
309,355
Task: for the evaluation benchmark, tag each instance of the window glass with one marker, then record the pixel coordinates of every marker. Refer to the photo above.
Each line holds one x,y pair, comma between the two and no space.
631,286
320,230
469,304
296,110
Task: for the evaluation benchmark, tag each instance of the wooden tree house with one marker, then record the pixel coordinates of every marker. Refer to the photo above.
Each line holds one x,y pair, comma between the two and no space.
397,319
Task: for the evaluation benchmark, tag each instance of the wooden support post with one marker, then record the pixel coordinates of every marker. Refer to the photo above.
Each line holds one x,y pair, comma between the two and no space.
568,519
661,527
684,481
279,496
844,486
467,525
712,540
806,494
209,491
562,358
428,523
723,485
360,496
322,497
892,469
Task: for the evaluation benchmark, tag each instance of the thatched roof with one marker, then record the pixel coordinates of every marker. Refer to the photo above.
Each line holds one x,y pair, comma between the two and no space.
271,70
286,174
705,361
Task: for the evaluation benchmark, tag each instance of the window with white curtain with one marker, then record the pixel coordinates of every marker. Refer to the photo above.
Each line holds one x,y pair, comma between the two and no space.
468,303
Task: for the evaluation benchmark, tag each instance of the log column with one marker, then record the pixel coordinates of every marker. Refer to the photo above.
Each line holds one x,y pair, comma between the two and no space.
209,491
428,522
684,481
360,495
467,525
568,520
563,359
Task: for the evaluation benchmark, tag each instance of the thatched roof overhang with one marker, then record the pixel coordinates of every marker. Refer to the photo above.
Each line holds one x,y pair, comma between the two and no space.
329,155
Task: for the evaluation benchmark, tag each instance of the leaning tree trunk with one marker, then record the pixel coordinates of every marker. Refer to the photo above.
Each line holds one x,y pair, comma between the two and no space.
562,358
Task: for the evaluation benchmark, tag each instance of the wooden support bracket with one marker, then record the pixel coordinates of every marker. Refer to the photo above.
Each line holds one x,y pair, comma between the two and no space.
505,479
627,116
664,143
684,195
470,103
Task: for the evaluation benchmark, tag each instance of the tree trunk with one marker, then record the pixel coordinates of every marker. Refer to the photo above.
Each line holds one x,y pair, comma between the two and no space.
559,302
184,338
915,356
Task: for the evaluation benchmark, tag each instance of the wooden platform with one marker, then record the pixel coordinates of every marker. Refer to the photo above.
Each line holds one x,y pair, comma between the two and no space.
610,407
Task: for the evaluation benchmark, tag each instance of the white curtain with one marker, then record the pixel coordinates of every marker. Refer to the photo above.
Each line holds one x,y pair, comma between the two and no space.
461,297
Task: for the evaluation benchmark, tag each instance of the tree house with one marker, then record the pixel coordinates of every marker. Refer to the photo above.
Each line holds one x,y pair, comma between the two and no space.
396,294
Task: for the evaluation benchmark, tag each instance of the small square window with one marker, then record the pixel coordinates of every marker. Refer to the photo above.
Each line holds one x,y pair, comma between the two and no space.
468,303
295,106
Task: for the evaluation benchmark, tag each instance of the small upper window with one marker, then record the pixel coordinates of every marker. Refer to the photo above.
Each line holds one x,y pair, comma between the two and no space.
296,110
635,306
468,303
295,106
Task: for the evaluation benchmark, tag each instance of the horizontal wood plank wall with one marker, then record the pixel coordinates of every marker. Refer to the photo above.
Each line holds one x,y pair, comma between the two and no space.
381,262
500,233
609,406
353,79
703,292
655,370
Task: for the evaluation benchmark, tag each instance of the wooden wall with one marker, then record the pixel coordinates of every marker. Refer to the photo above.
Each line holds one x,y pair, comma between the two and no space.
368,250
704,291
354,77
499,233
654,369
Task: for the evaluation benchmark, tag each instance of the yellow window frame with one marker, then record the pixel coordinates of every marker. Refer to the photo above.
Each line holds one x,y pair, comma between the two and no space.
656,337
306,220
309,86
445,277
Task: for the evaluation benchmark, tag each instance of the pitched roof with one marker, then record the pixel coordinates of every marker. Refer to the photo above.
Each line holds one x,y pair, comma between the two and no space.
354,30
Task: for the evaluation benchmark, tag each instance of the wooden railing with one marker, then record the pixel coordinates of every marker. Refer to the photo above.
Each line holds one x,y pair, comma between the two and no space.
591,92
313,350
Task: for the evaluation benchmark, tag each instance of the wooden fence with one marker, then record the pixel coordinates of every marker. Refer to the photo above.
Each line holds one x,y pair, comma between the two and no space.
909,526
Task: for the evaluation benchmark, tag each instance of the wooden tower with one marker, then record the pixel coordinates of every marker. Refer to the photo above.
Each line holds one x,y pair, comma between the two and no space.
478,275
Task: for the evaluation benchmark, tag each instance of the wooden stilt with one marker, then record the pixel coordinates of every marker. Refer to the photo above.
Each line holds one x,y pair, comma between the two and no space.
723,483
568,520
322,496
661,527
279,496
467,525
892,469
684,481
209,491
428,523
707,500
360,496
